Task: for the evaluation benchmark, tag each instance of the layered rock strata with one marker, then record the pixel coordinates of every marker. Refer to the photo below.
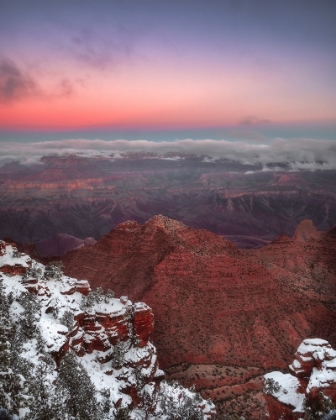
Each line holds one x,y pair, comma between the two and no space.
238,306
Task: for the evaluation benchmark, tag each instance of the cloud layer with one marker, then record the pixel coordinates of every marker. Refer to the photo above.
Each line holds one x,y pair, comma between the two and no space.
297,153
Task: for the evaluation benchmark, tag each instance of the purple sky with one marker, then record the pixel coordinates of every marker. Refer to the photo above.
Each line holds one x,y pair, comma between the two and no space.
250,71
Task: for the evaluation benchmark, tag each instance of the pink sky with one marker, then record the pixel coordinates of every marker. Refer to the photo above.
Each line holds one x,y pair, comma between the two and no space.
155,67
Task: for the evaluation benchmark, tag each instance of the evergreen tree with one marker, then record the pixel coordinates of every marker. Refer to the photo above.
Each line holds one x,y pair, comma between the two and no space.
43,405
109,295
122,414
319,408
105,404
34,272
53,271
4,415
119,354
12,367
88,301
5,349
32,312
76,388
98,295
185,407
68,320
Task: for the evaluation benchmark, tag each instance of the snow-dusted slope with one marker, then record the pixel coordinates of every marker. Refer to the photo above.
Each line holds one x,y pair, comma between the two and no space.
78,354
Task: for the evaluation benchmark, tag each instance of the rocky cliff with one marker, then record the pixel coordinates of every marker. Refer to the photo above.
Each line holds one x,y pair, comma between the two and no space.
48,314
309,391
238,306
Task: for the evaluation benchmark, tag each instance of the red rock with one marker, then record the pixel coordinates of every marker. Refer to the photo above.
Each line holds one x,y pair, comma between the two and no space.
306,231
143,319
83,287
13,270
213,303
315,367
2,248
105,324
277,410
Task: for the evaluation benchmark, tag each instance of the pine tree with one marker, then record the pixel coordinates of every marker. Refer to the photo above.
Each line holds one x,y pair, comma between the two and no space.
4,415
43,405
185,407
34,272
109,295
53,271
317,409
5,349
68,320
77,389
32,309
122,413
88,301
119,354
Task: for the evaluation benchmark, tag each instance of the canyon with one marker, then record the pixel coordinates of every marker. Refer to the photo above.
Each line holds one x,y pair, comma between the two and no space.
224,316
236,261
87,197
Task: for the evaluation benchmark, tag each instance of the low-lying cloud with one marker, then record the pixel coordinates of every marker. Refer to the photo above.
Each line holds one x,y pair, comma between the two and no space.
297,154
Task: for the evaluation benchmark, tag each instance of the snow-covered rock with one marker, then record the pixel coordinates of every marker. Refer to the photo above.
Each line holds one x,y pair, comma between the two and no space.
55,315
311,385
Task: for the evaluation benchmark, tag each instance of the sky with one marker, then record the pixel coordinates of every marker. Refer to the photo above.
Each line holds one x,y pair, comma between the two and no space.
251,71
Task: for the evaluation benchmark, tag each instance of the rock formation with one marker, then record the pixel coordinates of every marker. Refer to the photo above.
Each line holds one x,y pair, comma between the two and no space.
220,311
109,336
310,388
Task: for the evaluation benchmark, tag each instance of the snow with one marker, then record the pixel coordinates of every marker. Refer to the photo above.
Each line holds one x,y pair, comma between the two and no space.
330,364
9,259
321,378
315,342
296,364
13,285
288,392
319,371
114,306
51,332
56,296
310,345
141,306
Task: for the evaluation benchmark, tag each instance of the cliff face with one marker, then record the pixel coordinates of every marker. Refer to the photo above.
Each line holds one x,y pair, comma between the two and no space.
109,336
238,307
304,264
310,388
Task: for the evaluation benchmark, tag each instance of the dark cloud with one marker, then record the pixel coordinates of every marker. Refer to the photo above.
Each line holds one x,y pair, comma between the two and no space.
252,120
102,48
15,84
66,88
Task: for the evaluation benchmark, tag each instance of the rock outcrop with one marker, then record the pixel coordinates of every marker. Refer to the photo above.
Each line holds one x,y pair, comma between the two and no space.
306,231
238,306
310,388
110,336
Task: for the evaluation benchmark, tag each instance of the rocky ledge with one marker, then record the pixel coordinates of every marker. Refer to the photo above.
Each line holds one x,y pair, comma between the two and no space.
56,315
309,391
